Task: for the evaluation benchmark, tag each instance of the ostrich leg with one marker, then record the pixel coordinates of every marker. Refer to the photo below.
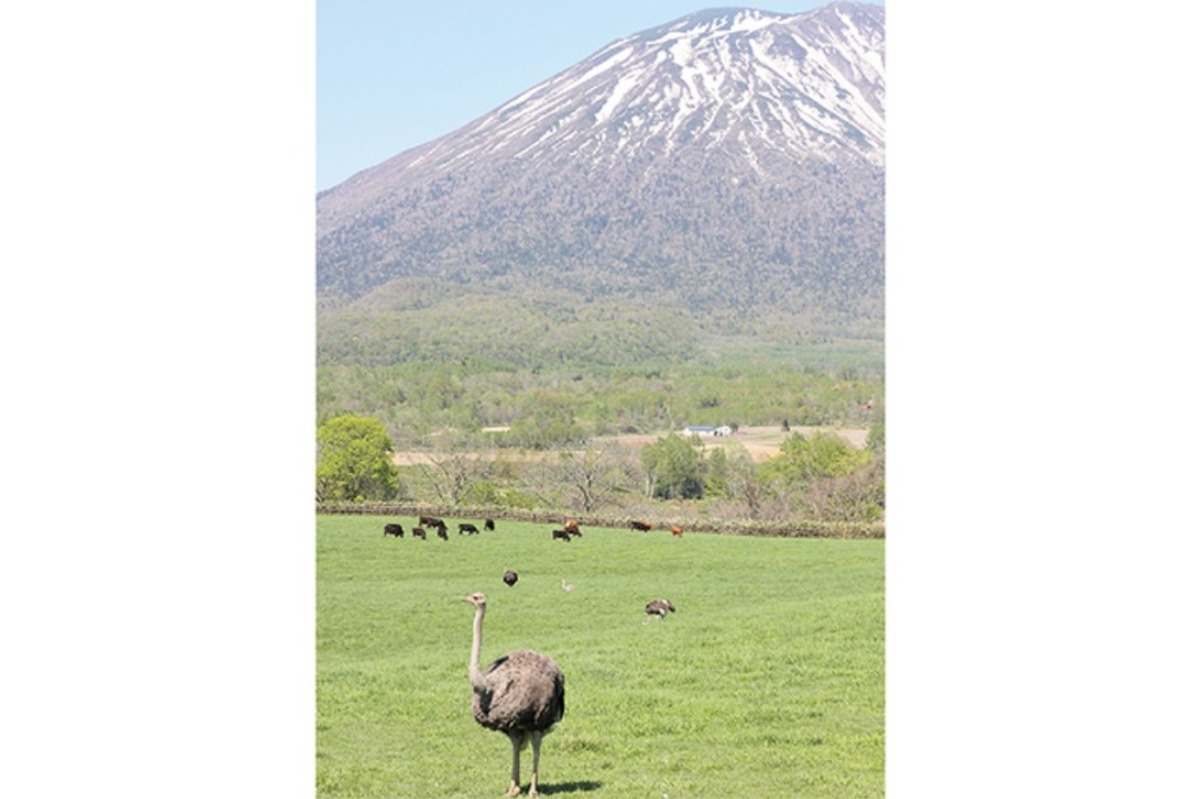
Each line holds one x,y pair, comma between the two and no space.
514,788
537,751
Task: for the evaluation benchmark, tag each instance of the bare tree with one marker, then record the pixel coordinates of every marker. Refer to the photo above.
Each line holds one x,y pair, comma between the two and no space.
454,468
585,480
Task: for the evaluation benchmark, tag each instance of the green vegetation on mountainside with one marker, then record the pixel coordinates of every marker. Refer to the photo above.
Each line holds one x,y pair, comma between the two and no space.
424,356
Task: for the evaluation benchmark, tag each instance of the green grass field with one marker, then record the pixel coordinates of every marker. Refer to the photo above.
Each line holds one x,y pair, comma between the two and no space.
768,681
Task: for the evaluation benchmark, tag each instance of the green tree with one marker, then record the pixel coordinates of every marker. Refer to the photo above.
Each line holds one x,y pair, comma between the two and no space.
672,467
716,473
803,460
354,460
547,420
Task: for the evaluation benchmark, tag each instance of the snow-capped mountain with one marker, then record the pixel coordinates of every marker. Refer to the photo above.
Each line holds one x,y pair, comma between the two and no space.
731,148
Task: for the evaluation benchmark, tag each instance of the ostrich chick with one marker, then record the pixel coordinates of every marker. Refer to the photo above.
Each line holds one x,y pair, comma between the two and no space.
520,695
659,608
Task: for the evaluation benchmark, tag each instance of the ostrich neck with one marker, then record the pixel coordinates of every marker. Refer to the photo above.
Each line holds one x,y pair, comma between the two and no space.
476,646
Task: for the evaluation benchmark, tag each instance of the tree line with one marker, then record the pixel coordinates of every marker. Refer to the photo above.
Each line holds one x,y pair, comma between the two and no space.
561,408
819,477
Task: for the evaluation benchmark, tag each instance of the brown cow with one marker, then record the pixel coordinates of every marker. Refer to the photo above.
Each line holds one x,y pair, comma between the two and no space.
677,531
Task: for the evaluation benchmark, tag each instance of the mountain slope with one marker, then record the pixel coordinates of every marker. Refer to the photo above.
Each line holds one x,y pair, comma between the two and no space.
732,159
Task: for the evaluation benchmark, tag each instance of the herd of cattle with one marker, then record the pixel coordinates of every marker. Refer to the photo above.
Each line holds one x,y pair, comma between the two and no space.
438,526
658,608
569,530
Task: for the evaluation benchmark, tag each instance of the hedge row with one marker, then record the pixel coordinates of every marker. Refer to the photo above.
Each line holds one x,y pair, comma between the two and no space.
798,529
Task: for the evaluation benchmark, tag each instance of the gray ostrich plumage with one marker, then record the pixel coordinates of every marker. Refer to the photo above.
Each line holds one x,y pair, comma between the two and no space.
659,608
520,695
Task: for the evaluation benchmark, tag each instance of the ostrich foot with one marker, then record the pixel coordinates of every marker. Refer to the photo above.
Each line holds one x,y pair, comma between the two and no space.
514,790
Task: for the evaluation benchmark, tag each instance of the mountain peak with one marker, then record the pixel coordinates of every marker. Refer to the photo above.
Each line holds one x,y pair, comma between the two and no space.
714,20
728,137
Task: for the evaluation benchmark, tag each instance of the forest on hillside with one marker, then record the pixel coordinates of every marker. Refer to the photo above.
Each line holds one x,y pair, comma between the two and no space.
545,408
511,399
539,438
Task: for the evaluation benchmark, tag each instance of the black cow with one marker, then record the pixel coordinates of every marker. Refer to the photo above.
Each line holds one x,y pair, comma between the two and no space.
468,528
393,529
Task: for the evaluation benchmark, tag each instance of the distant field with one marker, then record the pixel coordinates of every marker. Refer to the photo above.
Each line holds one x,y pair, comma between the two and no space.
761,442
768,681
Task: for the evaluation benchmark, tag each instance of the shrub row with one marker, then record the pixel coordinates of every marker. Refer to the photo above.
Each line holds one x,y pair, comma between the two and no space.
799,529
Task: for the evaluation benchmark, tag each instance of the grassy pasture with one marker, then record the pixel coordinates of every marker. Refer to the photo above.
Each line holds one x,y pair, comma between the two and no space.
768,681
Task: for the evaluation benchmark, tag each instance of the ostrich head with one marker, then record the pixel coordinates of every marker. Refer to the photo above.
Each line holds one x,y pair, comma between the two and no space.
477,599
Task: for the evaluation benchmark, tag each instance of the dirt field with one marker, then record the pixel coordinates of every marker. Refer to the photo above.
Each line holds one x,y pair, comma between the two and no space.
761,442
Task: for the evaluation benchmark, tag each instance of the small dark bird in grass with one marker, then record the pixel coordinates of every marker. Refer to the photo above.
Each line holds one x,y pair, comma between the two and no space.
510,578
659,608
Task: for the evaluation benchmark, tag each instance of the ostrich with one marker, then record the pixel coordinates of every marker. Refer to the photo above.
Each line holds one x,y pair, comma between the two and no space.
660,608
510,577
520,695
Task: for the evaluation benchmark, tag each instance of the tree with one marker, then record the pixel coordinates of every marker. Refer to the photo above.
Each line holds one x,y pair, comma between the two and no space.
716,473
454,468
858,496
803,460
672,467
592,477
354,460
547,420
745,486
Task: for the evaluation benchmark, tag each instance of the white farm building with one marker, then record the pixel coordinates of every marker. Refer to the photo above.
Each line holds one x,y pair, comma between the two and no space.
707,430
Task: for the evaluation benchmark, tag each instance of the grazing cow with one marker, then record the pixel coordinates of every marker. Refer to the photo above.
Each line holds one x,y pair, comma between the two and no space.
393,529
488,524
560,535
641,527
677,531
571,526
468,528
418,532
430,521
441,533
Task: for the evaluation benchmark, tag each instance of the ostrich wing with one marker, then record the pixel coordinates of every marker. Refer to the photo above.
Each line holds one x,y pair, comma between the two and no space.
521,691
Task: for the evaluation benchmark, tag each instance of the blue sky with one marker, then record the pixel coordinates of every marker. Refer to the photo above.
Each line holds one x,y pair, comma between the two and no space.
392,75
